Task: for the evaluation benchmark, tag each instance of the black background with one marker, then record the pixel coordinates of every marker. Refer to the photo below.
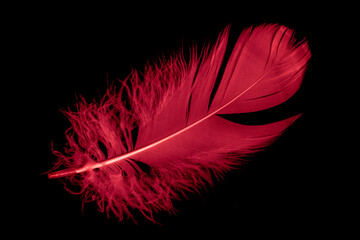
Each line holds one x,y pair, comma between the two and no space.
67,51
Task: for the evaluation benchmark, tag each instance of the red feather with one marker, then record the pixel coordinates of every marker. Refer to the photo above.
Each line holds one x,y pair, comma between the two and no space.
182,141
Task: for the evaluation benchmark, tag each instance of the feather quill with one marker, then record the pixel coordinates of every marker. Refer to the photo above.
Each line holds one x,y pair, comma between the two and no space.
183,141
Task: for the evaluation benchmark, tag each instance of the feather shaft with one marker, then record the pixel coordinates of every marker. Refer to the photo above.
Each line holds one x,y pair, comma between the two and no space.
64,173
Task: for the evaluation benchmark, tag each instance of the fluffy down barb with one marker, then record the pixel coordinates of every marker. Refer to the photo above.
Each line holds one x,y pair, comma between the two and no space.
161,133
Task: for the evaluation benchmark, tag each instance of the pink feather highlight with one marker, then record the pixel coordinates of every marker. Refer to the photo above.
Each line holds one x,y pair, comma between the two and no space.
182,141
